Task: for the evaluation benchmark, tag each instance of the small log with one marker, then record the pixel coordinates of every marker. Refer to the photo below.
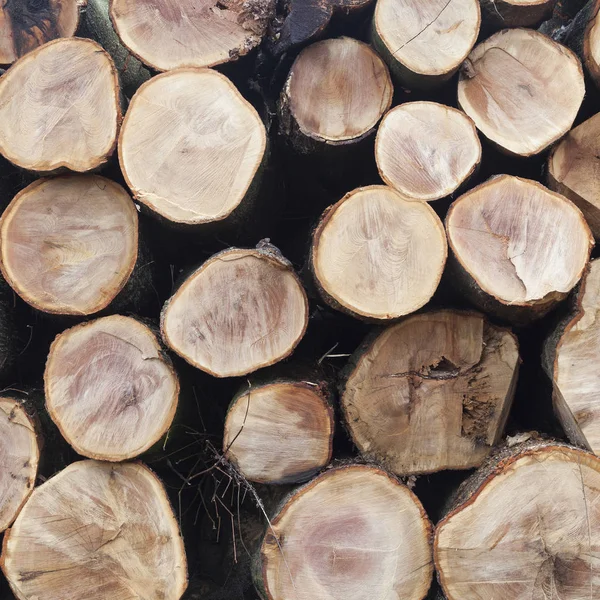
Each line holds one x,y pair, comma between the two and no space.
20,451
280,432
240,311
432,392
376,255
110,388
525,526
59,107
96,530
498,233
426,150
168,35
353,532
216,146
68,244
424,43
515,13
513,86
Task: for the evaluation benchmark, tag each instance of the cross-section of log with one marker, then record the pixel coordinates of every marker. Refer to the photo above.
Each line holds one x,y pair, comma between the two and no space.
591,42
279,432
527,526
354,532
59,107
167,34
376,255
335,94
69,244
513,86
200,168
500,235
240,311
96,530
426,150
432,392
425,42
19,455
515,13
110,388
25,25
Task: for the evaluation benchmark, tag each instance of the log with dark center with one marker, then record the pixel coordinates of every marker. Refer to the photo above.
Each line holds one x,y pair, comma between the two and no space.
515,13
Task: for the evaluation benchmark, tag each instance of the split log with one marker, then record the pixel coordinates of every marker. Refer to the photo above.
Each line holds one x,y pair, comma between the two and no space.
378,256
515,13
110,388
280,432
69,244
96,530
424,43
526,526
498,233
513,86
240,311
426,150
215,141
170,34
432,392
59,107
353,532
20,455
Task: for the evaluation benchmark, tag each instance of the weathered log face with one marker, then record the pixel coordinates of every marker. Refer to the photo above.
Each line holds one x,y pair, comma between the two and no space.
96,530
69,244
59,107
354,532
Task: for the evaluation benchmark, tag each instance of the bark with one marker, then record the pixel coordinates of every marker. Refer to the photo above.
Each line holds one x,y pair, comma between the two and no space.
499,14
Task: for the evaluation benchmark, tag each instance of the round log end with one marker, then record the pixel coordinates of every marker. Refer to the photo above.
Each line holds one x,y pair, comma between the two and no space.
591,45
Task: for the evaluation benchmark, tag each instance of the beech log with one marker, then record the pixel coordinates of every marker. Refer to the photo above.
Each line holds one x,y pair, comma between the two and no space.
515,13
59,107
378,256
500,234
354,532
96,530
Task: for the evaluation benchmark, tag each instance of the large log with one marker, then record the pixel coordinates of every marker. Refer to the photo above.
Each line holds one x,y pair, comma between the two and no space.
590,47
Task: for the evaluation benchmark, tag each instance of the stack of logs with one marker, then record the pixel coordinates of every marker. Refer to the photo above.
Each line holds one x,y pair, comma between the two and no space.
339,243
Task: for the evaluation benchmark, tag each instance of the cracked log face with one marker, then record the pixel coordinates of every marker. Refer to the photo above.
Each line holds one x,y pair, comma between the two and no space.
516,13
167,34
69,244
425,42
426,150
352,533
281,432
377,255
531,531
240,311
19,456
513,86
199,168
59,107
432,392
96,530
110,389
499,233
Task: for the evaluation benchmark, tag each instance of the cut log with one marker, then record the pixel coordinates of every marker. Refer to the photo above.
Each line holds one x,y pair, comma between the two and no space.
515,13
335,94
59,107
498,233
110,388
167,34
26,25
526,527
574,170
69,244
426,150
354,532
513,86
424,43
205,165
96,530
591,43
240,311
279,432
20,455
375,255
432,392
